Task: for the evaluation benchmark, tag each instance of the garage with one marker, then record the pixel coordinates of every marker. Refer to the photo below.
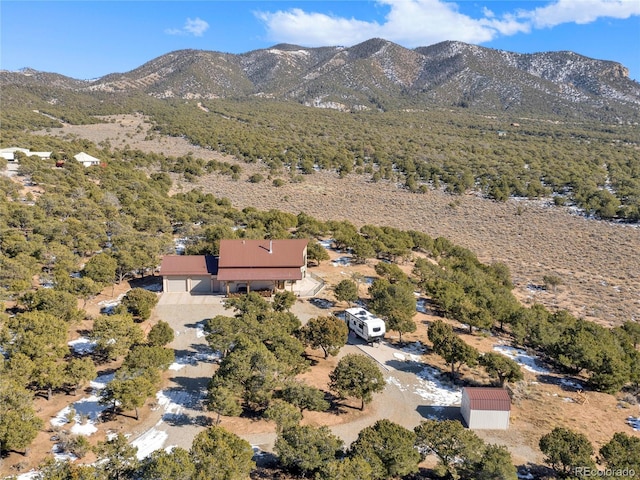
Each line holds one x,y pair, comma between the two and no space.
189,274
176,285
201,284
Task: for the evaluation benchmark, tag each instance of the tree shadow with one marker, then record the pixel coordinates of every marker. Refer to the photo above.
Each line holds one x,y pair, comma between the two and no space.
435,412
322,303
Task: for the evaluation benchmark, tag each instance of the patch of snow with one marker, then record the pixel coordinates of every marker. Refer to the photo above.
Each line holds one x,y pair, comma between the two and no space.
108,306
568,383
634,422
82,345
528,362
87,410
30,475
341,262
438,393
421,305
180,245
327,243
151,440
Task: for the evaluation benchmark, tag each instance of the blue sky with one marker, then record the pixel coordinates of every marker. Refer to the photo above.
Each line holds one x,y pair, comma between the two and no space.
89,39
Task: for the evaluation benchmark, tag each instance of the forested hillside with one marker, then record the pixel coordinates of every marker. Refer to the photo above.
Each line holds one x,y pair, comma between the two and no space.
83,229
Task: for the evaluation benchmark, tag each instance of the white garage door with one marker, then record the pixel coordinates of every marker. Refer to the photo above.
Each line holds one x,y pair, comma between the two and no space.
201,284
177,284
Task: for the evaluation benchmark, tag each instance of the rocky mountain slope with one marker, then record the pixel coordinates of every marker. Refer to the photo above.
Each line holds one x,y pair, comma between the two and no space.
378,74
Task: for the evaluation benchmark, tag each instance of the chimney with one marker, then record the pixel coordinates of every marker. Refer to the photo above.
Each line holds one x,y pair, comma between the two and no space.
270,246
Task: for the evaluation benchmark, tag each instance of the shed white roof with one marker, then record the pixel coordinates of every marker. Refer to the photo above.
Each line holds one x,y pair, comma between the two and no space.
87,159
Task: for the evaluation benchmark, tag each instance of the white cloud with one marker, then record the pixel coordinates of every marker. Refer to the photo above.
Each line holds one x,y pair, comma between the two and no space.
415,23
195,27
580,12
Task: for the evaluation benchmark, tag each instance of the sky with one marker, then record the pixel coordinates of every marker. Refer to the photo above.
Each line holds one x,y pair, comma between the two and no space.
90,39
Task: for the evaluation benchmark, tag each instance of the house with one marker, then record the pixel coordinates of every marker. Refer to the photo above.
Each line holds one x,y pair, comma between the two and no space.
87,160
485,408
242,266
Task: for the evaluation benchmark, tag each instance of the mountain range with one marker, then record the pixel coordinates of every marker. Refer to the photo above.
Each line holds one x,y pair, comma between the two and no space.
378,74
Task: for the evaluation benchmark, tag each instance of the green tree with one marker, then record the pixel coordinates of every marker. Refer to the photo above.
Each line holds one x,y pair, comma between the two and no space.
116,459
349,468
62,305
565,450
346,291
316,253
130,389
147,356
388,448
357,376
284,414
329,333
160,334
223,401
52,469
139,303
457,448
101,269
501,367
395,303
115,334
78,371
220,455
495,464
283,301
622,452
221,333
173,465
306,449
251,371
19,424
455,351
305,397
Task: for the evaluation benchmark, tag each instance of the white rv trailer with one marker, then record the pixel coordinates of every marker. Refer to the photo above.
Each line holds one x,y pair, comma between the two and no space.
364,324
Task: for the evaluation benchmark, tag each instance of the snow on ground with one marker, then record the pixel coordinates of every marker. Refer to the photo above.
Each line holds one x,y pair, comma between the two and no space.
152,439
82,346
31,475
529,362
432,389
429,386
421,305
154,287
107,306
341,262
193,359
86,411
634,422
327,243
411,353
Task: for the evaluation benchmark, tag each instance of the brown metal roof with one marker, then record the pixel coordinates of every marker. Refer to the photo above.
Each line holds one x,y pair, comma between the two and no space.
249,274
484,398
189,265
262,253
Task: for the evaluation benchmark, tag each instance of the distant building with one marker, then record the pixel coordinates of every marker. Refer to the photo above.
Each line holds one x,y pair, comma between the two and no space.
87,160
9,153
242,266
486,408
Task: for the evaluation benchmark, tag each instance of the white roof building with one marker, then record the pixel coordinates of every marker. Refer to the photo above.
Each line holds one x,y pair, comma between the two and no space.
87,160
9,153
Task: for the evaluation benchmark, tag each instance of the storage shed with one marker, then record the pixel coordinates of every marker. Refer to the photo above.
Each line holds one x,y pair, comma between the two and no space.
486,408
